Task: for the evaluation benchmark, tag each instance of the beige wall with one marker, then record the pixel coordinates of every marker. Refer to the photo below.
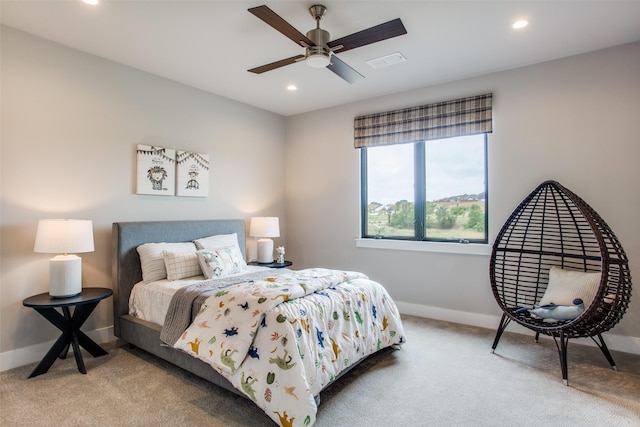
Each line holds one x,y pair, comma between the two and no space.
575,120
71,121
70,125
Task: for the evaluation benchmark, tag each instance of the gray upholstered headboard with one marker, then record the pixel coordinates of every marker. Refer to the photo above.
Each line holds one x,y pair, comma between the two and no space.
126,236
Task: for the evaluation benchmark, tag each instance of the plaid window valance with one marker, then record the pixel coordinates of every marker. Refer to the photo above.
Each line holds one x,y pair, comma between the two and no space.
464,116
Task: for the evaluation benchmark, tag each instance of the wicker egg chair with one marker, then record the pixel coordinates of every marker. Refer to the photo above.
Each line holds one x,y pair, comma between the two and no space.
554,227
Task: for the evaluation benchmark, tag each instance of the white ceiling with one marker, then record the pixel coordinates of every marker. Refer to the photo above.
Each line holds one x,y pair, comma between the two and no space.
210,44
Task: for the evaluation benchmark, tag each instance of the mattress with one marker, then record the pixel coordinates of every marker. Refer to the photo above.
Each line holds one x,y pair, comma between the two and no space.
150,301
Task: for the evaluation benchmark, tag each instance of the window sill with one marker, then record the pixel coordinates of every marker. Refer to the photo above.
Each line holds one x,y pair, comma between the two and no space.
442,247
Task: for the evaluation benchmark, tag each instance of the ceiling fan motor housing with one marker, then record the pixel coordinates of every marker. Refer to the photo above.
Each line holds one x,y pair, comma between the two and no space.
320,37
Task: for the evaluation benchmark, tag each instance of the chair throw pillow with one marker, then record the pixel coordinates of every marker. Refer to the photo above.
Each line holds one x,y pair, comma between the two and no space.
566,285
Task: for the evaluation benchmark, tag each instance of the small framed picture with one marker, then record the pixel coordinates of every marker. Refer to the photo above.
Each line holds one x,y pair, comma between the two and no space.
156,172
192,174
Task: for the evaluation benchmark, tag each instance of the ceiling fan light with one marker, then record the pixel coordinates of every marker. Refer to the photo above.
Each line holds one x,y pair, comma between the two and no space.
317,60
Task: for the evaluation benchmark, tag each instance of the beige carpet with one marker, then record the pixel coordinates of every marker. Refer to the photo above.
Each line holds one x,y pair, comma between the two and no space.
445,375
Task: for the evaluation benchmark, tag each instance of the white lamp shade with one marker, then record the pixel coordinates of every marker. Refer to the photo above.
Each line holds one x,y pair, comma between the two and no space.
264,226
63,236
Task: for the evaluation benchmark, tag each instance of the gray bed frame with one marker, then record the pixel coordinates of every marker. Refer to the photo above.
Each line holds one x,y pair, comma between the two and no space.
126,272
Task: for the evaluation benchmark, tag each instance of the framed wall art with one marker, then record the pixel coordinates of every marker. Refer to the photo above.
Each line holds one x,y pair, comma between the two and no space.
192,174
156,170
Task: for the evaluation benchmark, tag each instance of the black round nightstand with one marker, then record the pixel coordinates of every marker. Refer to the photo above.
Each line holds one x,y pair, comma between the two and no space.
272,264
84,304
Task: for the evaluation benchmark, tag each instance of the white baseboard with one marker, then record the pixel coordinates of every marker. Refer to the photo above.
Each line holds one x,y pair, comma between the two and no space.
34,353
614,342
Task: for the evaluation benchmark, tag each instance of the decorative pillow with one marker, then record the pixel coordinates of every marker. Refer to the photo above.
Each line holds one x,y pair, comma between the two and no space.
566,285
219,241
180,265
220,262
152,261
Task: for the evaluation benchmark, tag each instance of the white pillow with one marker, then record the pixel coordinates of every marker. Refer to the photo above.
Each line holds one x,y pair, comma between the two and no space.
152,261
566,285
219,241
220,262
180,265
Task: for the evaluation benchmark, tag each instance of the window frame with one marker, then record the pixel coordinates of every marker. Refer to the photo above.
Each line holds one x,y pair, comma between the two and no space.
420,185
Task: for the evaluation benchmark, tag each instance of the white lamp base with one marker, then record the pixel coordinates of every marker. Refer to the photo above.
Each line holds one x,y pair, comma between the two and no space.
265,251
65,276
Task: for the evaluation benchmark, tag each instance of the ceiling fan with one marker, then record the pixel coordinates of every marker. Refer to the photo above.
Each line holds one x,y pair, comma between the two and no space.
319,49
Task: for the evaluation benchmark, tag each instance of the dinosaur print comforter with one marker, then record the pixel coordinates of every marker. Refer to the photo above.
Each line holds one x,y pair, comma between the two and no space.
282,339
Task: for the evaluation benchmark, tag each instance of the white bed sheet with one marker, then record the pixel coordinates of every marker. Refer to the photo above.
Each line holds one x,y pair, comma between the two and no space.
150,301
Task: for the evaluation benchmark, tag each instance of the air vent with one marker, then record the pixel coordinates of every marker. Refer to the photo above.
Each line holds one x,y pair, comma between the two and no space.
385,61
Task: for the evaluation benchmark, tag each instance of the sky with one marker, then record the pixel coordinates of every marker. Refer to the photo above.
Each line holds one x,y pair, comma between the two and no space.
454,166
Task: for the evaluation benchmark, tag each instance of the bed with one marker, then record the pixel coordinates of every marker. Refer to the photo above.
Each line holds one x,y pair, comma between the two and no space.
275,336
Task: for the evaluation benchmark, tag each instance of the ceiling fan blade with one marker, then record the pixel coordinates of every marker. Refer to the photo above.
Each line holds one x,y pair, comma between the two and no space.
375,34
277,64
343,70
274,20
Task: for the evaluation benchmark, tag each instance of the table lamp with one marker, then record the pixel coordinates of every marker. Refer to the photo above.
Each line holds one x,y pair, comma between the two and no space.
64,236
264,227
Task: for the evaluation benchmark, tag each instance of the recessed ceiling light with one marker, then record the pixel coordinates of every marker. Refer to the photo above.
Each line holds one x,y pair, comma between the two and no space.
292,88
520,24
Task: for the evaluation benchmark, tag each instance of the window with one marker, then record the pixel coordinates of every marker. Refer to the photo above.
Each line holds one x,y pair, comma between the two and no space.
429,190
424,171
